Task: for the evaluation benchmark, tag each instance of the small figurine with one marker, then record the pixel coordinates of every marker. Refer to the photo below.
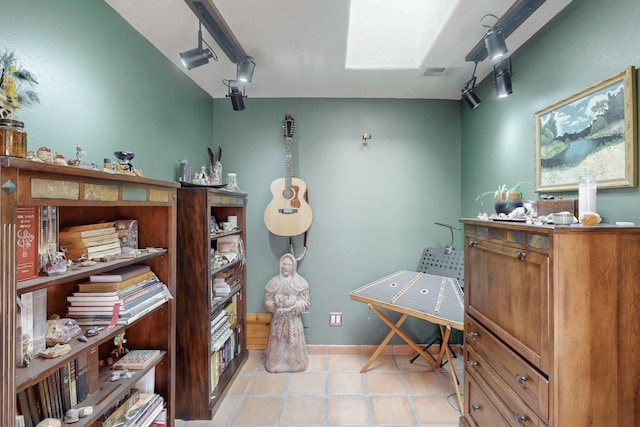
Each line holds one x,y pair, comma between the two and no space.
202,178
121,349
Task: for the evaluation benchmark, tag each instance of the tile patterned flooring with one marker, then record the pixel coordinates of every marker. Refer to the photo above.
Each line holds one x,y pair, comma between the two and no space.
332,392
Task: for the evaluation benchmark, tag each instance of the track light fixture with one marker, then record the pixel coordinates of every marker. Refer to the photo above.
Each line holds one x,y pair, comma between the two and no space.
244,70
468,91
237,97
502,75
197,56
494,40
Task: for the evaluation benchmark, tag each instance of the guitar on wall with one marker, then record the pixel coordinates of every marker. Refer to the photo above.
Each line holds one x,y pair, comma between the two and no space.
288,214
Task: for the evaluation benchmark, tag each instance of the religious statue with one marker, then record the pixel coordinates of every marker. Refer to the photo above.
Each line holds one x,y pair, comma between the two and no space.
286,296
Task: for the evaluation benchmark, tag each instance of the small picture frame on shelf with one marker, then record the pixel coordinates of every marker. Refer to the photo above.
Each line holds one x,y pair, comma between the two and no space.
215,226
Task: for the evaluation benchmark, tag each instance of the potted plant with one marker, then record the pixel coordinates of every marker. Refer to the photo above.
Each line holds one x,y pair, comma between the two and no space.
505,199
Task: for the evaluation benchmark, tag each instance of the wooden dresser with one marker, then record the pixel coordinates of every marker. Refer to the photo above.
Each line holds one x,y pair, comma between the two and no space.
552,325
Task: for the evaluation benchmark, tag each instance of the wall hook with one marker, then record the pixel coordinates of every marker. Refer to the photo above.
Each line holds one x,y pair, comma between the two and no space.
365,138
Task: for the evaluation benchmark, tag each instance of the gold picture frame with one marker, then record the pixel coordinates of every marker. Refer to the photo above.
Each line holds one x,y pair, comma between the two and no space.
591,133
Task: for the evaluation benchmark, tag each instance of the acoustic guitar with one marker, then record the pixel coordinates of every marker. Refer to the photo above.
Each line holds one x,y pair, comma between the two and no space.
288,214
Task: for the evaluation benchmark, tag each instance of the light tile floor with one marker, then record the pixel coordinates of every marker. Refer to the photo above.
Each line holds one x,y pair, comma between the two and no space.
332,392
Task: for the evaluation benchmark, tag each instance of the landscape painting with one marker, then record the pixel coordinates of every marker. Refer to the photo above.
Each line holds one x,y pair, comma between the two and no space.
591,133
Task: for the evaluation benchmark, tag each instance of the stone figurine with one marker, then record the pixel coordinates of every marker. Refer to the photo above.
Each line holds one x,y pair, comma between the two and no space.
286,296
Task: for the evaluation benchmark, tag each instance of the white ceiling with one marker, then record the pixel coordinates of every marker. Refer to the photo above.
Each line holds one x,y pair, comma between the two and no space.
300,46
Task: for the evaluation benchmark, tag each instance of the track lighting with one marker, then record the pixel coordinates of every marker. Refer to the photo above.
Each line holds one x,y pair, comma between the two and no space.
244,70
197,56
468,91
502,75
237,97
494,41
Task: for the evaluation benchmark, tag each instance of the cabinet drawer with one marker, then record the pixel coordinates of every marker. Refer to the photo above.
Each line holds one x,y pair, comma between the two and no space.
479,408
507,288
490,402
528,384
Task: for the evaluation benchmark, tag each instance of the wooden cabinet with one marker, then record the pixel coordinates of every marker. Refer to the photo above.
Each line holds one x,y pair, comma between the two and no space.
83,197
551,327
202,375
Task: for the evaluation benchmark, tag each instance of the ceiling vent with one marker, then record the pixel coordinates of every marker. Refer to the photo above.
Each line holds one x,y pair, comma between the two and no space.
434,71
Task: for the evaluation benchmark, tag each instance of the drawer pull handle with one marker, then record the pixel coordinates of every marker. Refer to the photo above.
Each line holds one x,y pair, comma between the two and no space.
521,378
473,335
521,419
475,407
473,243
473,363
520,255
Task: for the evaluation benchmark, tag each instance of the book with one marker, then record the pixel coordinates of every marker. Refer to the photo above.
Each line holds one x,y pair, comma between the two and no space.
87,230
39,301
26,321
107,253
91,241
115,286
83,248
56,388
120,274
23,408
113,295
34,405
27,257
94,321
74,380
43,400
82,384
48,235
65,387
136,359
91,299
93,365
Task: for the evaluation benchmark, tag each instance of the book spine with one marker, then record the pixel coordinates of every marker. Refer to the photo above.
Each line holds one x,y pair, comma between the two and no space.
74,379
82,383
65,387
48,243
39,321
26,315
27,227
34,405
119,411
93,369
23,408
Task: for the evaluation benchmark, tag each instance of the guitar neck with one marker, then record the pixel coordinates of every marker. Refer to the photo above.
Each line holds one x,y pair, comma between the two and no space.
288,162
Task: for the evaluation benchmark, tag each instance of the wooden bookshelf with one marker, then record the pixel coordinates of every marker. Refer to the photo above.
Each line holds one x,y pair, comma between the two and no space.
198,399
85,196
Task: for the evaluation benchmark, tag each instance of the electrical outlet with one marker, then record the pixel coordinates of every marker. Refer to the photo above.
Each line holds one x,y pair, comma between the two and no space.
335,318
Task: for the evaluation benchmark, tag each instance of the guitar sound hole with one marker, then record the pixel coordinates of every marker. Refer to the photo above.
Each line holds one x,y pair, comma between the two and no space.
287,193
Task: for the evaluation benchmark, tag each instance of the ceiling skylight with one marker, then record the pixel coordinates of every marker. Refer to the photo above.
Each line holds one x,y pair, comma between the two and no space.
388,35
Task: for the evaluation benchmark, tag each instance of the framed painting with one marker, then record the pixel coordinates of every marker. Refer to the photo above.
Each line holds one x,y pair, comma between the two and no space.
591,133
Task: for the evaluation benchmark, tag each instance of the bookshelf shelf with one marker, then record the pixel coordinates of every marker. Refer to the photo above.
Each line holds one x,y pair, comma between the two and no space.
81,197
197,311
79,273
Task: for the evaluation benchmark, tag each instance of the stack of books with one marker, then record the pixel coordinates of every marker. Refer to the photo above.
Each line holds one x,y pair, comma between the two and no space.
120,296
91,241
220,330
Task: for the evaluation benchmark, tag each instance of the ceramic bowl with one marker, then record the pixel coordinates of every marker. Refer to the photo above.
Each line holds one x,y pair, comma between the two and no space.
562,218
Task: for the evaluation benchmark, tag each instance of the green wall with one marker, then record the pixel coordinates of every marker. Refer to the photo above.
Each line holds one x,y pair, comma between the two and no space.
374,205
587,43
104,87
